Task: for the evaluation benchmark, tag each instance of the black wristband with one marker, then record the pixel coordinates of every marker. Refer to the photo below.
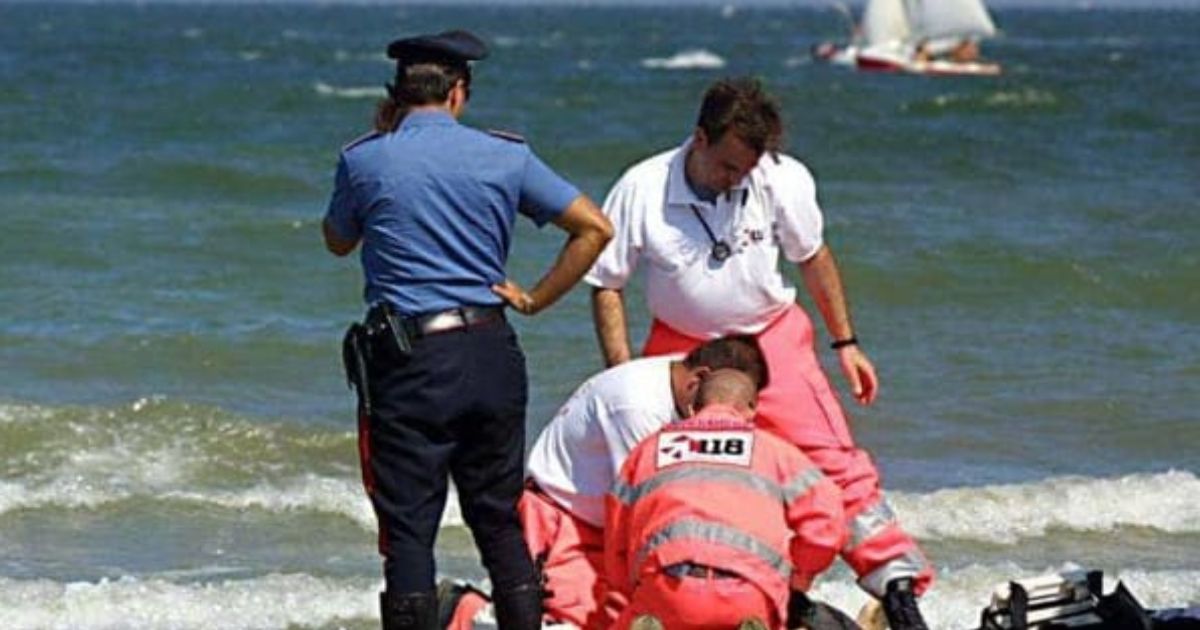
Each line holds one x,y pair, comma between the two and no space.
842,343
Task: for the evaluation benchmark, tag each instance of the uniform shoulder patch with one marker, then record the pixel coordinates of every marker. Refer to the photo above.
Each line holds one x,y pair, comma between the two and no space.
370,135
507,135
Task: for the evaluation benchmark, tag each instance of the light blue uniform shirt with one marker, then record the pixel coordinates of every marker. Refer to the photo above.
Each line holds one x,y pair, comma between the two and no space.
434,203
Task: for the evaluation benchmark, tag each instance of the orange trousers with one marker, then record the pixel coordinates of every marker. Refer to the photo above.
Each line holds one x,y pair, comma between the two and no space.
698,603
799,405
571,554
464,613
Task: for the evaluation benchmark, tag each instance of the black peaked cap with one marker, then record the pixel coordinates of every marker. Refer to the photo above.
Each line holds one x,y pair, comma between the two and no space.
452,45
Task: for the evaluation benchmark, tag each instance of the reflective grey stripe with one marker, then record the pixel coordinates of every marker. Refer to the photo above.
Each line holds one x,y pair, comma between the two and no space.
787,493
800,486
870,522
715,533
624,492
908,565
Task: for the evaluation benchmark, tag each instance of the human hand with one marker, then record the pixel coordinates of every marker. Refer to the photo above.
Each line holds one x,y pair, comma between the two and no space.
860,373
516,297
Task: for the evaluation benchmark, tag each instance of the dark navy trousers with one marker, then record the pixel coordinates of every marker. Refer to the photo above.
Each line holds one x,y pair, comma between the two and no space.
454,408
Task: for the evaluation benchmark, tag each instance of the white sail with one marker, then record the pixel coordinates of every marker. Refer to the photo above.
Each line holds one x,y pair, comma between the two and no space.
884,22
938,19
920,36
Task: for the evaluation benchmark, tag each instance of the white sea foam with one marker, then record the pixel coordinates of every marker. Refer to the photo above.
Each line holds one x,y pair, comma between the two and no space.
120,467
309,493
91,478
359,92
1022,99
959,595
1008,513
21,414
95,457
697,59
273,601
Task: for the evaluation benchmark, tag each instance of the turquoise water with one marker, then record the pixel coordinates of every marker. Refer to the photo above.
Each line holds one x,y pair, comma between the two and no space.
176,440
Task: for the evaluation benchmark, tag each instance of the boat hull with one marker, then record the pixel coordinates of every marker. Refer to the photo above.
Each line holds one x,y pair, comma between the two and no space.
890,62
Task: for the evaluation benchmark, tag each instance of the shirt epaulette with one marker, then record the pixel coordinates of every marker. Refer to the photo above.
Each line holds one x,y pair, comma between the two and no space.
507,135
370,135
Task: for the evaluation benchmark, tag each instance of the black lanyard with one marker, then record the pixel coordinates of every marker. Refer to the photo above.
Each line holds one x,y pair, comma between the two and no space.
720,249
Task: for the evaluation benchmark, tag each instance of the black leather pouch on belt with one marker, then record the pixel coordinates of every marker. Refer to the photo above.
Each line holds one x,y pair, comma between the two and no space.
402,343
385,329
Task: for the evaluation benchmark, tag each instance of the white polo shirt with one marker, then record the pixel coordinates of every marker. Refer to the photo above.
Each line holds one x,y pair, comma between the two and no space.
577,456
772,210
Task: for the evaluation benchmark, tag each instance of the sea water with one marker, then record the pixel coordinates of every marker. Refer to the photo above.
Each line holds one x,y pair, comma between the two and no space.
177,443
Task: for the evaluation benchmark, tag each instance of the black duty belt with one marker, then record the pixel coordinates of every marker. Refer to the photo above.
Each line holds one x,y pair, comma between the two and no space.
443,321
453,319
693,570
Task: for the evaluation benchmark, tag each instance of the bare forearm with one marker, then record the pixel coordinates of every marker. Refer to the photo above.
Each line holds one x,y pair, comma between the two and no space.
576,257
608,313
588,231
824,283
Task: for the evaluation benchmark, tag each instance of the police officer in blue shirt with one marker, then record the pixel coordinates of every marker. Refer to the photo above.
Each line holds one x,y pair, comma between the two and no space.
440,377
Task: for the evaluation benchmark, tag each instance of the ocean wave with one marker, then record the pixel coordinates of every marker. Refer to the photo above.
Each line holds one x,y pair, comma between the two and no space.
1010,513
188,175
272,601
310,493
993,514
85,457
358,92
697,59
285,600
1026,99
157,449
160,450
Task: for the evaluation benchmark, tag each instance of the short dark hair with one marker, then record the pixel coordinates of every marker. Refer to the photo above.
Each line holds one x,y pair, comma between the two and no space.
738,352
743,106
427,82
730,387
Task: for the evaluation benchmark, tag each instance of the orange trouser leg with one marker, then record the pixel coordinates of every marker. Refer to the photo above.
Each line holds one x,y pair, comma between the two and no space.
689,603
464,613
799,405
572,556
878,549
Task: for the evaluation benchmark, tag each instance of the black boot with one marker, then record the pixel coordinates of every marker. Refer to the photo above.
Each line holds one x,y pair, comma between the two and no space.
408,611
900,606
519,607
810,615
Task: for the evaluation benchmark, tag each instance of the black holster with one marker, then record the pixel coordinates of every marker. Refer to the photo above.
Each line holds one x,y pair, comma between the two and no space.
355,355
382,336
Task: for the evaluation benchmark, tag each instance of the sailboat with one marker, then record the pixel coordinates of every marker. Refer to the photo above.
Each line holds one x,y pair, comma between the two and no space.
938,37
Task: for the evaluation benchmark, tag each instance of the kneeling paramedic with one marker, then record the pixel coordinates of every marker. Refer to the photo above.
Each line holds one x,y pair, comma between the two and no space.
440,376
713,522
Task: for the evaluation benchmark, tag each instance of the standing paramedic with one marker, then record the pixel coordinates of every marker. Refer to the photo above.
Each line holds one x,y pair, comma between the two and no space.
708,221
677,549
440,376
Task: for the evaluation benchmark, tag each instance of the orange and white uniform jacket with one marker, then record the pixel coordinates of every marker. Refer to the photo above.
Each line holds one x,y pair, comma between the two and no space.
714,490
